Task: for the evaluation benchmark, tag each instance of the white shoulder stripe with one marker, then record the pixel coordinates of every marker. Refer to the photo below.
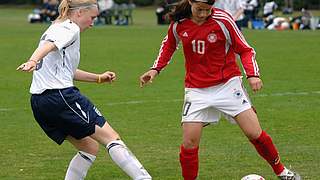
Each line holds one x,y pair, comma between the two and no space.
220,15
176,36
255,65
174,28
226,34
160,51
233,24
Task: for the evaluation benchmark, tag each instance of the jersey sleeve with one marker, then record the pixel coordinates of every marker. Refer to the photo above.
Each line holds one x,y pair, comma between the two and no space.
61,35
168,46
241,47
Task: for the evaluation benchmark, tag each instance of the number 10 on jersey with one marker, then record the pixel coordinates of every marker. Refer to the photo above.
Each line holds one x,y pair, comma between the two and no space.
198,46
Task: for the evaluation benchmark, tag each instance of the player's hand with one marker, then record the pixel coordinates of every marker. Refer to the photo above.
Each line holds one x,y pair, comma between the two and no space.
148,77
255,83
28,66
108,76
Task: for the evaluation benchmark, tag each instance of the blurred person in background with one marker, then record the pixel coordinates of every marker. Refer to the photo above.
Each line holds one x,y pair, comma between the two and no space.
288,7
105,11
161,12
50,10
305,19
234,7
251,9
268,9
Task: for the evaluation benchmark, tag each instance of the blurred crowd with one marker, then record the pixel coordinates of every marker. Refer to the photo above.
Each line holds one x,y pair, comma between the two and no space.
113,13
246,13
275,22
46,13
255,15
109,12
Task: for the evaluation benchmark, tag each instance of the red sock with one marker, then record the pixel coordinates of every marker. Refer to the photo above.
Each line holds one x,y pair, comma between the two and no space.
268,151
189,162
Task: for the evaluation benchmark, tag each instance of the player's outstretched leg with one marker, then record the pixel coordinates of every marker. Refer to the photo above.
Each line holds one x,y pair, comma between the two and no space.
79,166
123,157
249,123
119,152
268,151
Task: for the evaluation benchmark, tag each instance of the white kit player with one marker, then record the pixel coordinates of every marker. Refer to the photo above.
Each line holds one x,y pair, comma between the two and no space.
213,83
59,107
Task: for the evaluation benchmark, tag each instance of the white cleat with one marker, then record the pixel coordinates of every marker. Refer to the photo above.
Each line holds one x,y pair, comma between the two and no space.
289,175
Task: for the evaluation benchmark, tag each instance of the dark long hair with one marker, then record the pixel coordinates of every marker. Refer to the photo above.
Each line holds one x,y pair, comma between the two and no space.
180,11
183,9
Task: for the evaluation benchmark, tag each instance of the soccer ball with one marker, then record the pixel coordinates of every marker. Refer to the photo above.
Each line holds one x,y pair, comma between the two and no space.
252,177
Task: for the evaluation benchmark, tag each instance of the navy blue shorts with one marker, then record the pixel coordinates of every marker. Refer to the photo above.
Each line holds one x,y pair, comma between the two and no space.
63,112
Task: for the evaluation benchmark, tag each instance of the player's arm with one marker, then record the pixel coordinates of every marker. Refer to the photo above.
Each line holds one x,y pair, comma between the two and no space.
247,55
37,55
81,75
167,49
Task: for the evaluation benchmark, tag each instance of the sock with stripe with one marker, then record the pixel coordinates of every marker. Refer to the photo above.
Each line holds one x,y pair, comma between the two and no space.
123,157
268,151
79,166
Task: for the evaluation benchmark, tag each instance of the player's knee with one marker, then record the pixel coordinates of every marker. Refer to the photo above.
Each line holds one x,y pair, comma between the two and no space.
91,148
95,149
190,143
254,134
105,135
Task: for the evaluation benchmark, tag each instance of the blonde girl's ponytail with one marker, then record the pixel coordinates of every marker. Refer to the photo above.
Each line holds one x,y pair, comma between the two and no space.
63,10
68,5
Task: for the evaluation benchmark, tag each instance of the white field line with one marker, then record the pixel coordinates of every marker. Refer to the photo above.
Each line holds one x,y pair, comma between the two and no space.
180,100
10,109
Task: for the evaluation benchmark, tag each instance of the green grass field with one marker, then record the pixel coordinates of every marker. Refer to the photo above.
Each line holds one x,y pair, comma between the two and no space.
148,119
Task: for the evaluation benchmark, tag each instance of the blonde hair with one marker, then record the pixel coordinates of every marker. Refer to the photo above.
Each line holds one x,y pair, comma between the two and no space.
67,5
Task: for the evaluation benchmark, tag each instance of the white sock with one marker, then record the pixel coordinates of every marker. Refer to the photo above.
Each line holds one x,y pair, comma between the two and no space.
122,156
79,166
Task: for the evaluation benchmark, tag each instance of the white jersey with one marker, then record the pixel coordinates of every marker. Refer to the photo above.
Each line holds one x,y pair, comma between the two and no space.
56,70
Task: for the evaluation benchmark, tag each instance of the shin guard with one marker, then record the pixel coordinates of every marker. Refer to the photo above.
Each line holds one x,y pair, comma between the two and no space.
189,163
123,157
268,151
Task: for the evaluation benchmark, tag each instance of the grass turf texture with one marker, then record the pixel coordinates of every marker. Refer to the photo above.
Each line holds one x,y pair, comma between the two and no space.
148,119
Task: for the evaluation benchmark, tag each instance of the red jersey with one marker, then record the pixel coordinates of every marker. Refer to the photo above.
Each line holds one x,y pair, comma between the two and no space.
209,49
